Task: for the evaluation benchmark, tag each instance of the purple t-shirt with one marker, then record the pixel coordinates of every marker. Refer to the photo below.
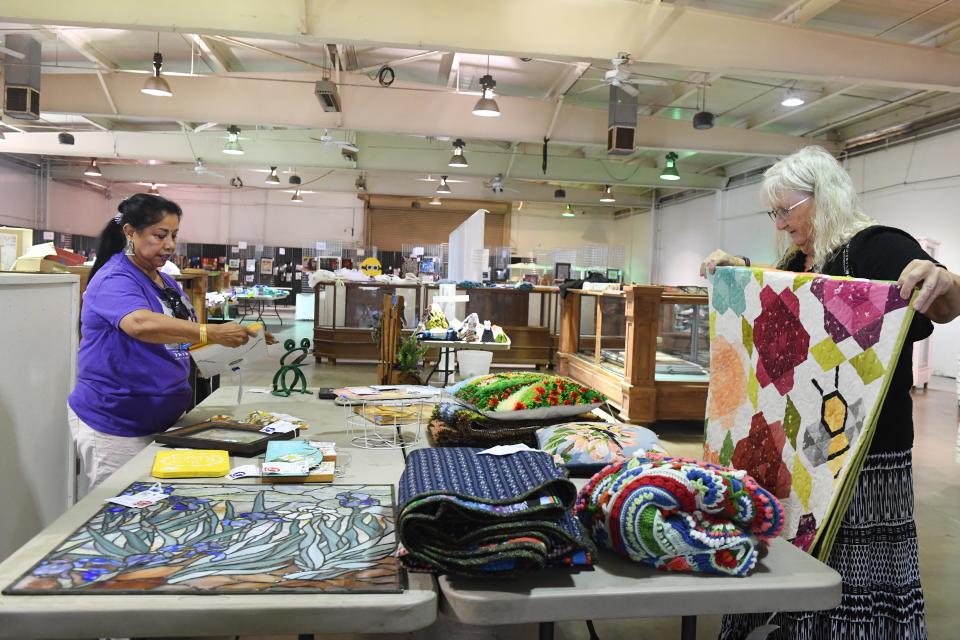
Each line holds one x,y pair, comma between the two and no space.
127,387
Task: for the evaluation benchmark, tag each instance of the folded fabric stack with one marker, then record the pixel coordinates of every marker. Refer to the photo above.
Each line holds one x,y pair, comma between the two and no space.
679,514
454,425
466,513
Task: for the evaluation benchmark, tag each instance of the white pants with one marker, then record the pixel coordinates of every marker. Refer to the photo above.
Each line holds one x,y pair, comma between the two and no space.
101,454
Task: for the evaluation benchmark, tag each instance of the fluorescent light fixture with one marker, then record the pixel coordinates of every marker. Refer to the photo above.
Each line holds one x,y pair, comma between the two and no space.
444,187
435,200
792,99
273,178
156,85
670,171
486,106
458,159
607,194
297,197
233,147
93,170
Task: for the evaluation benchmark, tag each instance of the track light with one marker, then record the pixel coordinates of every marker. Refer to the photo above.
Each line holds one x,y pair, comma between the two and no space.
233,147
435,200
273,178
607,194
670,171
458,159
156,85
296,196
792,99
486,106
568,212
444,187
93,170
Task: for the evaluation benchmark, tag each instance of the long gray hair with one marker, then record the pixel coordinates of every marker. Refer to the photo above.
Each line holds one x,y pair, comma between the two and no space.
837,216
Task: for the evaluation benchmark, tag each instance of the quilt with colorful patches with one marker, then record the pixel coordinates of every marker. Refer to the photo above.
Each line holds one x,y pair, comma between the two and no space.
800,365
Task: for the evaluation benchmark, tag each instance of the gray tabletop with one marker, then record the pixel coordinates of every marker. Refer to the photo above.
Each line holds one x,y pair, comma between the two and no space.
85,616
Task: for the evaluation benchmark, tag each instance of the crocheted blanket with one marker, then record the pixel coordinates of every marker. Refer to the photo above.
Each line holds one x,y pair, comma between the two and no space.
800,365
453,425
470,514
679,514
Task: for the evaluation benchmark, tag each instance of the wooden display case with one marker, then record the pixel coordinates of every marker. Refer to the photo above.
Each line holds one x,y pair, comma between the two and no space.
527,317
344,314
194,283
646,348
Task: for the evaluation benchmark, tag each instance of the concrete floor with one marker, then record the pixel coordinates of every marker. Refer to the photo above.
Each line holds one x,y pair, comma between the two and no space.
936,458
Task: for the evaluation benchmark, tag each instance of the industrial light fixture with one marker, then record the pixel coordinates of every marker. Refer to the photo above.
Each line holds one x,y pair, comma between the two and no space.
93,170
435,200
273,178
458,159
296,196
559,194
444,187
153,190
568,212
360,183
65,138
294,179
233,147
486,106
670,171
607,194
703,119
792,99
156,85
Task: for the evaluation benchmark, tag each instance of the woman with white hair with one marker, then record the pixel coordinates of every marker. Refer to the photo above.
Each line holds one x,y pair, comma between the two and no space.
817,214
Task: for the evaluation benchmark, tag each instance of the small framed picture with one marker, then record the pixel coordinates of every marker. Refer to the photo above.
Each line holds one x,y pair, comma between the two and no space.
613,274
239,438
266,266
561,271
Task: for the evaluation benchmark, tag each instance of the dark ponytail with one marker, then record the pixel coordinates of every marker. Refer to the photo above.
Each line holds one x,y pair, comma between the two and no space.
139,211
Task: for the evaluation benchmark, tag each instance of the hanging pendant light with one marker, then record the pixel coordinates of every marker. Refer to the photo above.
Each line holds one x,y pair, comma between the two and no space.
458,159
607,194
792,99
486,106
568,212
670,171
296,196
153,190
444,187
92,169
435,200
233,147
273,178
156,85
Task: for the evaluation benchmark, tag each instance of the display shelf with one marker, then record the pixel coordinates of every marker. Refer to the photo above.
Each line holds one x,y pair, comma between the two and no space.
646,348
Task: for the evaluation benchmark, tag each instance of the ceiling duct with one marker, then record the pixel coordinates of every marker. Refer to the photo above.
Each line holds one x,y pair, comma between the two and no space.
326,92
21,77
622,122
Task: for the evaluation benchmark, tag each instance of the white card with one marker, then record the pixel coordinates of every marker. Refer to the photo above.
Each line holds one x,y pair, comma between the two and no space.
142,499
280,426
507,449
288,417
285,468
244,471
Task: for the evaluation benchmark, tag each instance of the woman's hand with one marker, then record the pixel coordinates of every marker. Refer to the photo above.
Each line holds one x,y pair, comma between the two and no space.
229,334
720,258
937,283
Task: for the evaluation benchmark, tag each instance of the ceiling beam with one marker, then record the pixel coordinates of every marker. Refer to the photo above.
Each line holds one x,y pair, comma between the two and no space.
564,29
79,43
413,111
217,54
803,11
570,76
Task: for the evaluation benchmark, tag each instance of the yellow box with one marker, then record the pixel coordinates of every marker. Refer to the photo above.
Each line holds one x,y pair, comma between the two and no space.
191,463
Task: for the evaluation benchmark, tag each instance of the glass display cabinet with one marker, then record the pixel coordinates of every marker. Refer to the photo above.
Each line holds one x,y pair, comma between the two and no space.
345,314
647,348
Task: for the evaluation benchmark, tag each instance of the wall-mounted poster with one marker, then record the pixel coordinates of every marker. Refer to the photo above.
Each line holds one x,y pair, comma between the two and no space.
266,265
248,279
234,263
561,271
251,265
309,264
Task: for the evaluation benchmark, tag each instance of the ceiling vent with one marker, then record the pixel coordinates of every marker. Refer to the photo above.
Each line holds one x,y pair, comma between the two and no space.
21,77
622,122
326,92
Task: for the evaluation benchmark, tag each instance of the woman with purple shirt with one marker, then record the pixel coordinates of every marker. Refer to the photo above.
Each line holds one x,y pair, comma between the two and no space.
136,326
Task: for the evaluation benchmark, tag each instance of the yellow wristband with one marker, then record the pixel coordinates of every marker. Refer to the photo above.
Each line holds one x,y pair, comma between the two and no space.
203,334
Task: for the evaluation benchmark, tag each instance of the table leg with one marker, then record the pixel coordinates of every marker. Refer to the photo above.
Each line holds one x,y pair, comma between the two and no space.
688,628
436,367
244,312
446,365
277,312
546,631
260,304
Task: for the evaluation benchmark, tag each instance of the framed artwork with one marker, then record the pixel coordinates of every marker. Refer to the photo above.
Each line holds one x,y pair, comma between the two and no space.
308,264
266,266
561,271
229,538
236,437
613,274
532,278
234,263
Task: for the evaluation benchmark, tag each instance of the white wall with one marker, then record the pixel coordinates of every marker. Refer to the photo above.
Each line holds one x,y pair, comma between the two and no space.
636,233
540,227
18,196
915,187
82,211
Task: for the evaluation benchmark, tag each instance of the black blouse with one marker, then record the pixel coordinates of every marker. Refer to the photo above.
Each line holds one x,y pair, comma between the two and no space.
882,253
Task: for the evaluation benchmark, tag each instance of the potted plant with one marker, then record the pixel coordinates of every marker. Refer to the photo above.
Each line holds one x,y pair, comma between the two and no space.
409,354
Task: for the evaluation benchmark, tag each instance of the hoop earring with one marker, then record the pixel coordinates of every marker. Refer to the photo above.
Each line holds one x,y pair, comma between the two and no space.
129,248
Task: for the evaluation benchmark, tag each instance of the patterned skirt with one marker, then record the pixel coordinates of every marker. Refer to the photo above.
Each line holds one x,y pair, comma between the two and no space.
876,554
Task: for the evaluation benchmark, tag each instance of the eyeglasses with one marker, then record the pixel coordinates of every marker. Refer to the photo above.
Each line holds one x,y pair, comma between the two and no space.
781,212
172,296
